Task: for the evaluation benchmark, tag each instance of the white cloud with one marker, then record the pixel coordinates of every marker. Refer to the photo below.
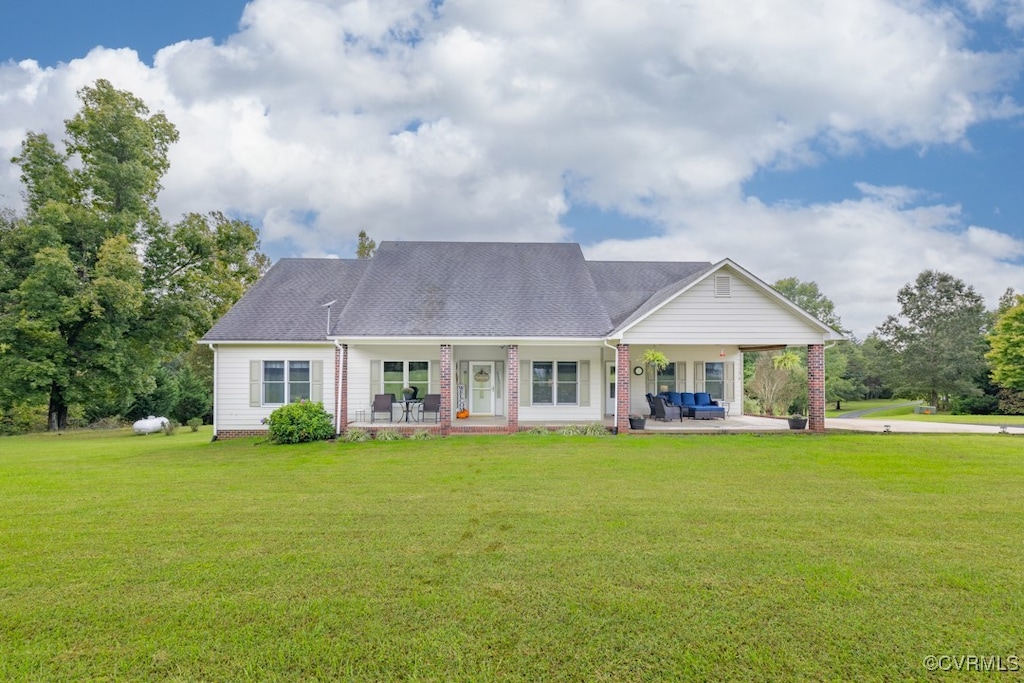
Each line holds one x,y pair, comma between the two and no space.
482,120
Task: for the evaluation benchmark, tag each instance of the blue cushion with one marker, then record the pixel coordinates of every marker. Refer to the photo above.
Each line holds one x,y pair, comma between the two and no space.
673,398
703,398
686,399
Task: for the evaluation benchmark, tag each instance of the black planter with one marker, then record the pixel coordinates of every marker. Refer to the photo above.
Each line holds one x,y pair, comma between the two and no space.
797,422
637,422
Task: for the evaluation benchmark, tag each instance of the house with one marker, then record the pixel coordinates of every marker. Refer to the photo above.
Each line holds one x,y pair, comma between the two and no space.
514,332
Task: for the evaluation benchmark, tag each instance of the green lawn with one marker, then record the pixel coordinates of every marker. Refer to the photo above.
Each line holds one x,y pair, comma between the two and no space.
789,557
907,413
851,406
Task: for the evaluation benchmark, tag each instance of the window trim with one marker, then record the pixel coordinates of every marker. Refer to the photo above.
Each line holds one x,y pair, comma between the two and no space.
554,384
405,375
287,381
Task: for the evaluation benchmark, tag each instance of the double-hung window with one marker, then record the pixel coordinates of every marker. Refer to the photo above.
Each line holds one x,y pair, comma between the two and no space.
397,374
285,381
555,382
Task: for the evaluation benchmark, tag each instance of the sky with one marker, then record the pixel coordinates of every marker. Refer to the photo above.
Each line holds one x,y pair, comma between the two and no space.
854,144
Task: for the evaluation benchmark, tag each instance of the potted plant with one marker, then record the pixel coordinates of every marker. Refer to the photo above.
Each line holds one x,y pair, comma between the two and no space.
797,421
407,392
637,422
654,358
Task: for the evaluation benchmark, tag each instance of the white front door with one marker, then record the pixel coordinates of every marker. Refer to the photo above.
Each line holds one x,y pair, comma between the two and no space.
481,388
609,390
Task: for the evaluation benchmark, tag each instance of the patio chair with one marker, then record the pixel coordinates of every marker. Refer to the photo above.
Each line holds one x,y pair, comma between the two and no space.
431,404
687,403
663,411
383,403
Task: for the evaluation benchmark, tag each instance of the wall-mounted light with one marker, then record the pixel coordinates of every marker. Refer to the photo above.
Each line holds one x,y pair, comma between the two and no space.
721,352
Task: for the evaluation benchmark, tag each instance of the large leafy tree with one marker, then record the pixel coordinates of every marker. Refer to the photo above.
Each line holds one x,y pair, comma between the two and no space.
937,343
1006,355
809,297
96,288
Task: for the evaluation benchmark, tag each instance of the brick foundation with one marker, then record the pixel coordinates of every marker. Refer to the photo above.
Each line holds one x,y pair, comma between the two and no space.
816,387
239,433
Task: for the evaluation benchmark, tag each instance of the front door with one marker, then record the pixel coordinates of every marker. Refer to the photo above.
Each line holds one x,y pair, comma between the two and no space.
609,391
481,388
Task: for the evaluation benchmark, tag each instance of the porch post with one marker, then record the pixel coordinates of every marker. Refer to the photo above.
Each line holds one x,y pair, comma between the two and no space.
622,387
816,387
341,386
512,391
446,389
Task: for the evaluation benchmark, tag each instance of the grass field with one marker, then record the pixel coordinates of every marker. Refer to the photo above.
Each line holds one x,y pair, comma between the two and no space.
907,413
852,406
789,557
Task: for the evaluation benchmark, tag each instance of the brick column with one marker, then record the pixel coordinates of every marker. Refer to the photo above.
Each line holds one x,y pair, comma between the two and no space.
512,392
446,389
622,371
341,385
816,387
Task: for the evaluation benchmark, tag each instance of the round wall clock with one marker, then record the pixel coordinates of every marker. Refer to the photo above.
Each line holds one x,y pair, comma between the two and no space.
638,370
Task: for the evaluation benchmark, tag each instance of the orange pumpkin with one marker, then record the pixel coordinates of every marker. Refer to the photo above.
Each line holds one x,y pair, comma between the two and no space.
462,414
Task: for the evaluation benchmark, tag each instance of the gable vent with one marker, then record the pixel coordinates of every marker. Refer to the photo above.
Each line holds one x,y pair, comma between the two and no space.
723,286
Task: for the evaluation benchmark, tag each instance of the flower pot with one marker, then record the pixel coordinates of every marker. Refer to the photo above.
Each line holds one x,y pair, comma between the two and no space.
797,422
637,422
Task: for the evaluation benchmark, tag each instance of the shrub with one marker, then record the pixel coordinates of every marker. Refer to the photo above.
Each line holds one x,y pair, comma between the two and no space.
195,423
1011,401
975,405
538,430
356,435
389,435
299,423
571,430
422,435
170,427
23,417
595,429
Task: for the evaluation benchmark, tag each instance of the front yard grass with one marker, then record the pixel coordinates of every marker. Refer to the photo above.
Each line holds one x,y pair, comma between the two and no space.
740,557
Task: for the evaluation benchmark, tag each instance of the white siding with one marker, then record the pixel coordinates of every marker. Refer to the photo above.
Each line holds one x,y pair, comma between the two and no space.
591,413
360,394
231,405
688,355
747,316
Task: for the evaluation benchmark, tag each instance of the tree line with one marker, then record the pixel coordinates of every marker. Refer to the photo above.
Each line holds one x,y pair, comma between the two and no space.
943,347
101,298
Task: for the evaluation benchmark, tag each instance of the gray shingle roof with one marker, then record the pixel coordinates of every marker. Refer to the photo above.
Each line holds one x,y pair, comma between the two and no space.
286,304
452,289
475,289
627,287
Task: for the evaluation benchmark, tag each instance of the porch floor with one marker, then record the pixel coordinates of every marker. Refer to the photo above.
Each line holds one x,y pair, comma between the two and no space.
737,423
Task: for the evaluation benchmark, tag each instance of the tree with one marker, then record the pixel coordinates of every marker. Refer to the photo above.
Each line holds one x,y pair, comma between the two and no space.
96,288
778,381
807,296
936,344
366,247
1006,356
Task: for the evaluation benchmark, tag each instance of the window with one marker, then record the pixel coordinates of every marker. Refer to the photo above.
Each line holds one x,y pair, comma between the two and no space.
714,379
666,377
555,383
397,374
286,381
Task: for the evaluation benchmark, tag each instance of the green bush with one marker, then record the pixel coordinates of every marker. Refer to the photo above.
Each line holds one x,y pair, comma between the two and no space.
195,423
595,429
975,405
170,427
299,422
421,435
389,435
356,435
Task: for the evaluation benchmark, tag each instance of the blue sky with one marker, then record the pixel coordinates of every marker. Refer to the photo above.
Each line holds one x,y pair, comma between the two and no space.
851,144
